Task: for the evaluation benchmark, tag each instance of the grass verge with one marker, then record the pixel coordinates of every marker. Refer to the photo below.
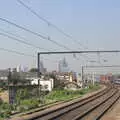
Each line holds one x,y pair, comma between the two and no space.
31,105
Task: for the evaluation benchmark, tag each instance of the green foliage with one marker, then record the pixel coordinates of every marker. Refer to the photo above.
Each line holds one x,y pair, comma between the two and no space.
62,94
25,102
22,94
15,77
1,90
5,110
1,101
33,70
28,104
57,94
94,87
52,76
3,84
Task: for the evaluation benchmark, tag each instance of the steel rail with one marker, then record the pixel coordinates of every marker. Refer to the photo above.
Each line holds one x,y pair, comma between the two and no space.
98,108
75,105
68,115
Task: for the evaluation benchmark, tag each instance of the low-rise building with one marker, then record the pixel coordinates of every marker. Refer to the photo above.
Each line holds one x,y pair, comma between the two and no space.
46,85
31,78
67,77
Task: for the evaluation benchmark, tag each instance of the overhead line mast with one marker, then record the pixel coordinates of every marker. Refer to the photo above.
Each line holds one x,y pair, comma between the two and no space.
69,52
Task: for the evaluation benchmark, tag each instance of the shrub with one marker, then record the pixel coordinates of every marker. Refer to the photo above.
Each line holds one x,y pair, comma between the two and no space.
5,110
28,104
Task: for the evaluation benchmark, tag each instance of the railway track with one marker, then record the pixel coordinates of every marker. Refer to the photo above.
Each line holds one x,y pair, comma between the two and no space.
91,108
96,111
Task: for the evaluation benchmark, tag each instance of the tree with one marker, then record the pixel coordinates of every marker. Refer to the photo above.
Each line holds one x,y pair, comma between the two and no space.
33,70
15,78
22,94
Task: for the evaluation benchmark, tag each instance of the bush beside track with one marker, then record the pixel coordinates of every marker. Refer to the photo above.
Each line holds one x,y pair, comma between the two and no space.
51,98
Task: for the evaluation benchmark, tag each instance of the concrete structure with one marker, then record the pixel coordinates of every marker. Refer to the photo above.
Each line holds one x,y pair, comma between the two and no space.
67,76
71,86
63,76
79,81
46,85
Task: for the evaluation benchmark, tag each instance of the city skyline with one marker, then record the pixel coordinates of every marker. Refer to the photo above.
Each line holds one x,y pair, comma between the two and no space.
94,24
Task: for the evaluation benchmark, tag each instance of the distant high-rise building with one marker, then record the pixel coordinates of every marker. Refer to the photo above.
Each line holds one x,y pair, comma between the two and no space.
42,69
63,66
25,69
21,68
18,68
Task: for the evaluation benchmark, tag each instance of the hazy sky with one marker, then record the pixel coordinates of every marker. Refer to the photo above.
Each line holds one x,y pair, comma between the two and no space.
94,23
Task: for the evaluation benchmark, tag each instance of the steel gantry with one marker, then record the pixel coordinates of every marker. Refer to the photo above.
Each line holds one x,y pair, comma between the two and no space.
71,52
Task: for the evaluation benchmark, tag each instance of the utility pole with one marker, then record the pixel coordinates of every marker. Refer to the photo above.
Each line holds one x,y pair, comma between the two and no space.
38,65
39,76
9,78
93,78
82,75
11,88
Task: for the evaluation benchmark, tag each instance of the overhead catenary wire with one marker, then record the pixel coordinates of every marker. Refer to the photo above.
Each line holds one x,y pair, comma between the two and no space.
16,52
3,34
13,51
34,33
50,24
23,54
19,39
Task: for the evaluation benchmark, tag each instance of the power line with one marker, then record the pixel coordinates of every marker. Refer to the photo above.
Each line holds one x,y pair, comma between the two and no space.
47,38
55,61
107,66
23,54
49,23
13,38
19,40
34,33
16,52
